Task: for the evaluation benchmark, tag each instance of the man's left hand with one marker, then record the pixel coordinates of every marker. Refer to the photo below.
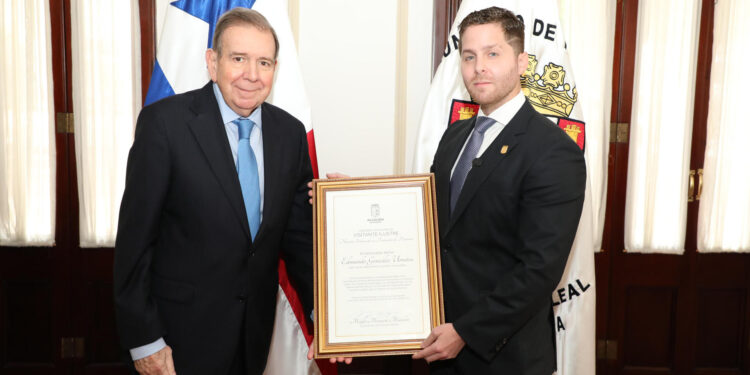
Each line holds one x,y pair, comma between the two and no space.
311,352
442,343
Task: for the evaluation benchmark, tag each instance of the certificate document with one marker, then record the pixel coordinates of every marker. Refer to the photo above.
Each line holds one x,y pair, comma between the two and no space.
377,274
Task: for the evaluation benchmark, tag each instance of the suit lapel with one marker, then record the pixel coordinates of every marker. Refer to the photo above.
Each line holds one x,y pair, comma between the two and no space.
272,155
491,159
448,157
209,132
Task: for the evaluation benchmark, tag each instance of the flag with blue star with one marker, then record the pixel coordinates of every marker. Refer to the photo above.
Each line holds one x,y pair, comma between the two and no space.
197,19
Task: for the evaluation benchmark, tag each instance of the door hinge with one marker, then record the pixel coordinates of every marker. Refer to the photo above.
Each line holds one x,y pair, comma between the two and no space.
606,349
72,347
619,132
65,123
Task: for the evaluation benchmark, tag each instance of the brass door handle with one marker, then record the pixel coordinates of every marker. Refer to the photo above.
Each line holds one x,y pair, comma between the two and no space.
700,184
691,185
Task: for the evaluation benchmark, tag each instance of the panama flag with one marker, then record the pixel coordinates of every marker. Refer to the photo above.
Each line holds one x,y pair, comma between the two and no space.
550,87
180,66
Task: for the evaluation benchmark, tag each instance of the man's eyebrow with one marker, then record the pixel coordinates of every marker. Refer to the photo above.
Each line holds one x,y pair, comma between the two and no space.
483,48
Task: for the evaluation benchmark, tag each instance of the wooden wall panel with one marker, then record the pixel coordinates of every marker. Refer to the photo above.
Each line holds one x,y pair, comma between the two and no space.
27,327
649,327
147,13
719,332
102,342
445,14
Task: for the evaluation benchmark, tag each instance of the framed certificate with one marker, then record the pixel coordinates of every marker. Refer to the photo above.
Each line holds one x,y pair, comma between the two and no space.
378,287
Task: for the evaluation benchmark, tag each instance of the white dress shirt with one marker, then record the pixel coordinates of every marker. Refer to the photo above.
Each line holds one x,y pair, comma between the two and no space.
502,117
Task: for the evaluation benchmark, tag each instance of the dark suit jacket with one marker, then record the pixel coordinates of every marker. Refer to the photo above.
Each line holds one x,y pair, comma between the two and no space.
505,246
185,267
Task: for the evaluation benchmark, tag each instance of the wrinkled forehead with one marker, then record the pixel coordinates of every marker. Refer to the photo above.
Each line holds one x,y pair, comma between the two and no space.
247,39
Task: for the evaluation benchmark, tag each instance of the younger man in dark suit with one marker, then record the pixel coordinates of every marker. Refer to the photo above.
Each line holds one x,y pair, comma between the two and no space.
510,188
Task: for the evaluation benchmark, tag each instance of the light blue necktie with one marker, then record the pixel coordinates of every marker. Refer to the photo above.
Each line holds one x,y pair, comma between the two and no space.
463,166
247,170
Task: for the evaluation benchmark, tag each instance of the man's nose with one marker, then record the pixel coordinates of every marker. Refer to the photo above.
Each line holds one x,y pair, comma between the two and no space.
481,65
251,70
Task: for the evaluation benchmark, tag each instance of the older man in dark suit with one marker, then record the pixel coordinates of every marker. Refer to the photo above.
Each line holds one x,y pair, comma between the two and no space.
510,188
215,190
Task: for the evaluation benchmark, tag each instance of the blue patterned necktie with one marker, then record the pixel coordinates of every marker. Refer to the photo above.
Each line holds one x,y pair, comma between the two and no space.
463,166
247,170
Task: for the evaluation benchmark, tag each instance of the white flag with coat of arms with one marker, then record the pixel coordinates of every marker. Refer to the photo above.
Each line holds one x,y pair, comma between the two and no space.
549,85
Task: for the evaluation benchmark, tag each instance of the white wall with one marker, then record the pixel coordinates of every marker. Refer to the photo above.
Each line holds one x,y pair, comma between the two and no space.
347,52
367,69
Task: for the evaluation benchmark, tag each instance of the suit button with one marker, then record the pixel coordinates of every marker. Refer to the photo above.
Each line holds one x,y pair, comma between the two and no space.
445,250
252,253
501,344
242,297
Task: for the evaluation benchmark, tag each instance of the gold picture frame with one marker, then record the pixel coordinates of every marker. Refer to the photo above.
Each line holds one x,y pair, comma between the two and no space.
377,275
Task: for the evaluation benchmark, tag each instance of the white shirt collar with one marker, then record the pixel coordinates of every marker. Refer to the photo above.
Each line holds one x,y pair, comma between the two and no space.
228,115
506,111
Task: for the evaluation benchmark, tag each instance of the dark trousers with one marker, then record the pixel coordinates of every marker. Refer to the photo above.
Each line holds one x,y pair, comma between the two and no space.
238,366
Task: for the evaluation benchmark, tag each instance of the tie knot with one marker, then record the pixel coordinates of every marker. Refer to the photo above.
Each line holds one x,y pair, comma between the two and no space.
245,126
483,123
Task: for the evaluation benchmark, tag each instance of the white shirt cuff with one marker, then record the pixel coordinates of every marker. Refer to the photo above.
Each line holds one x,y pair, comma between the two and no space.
148,349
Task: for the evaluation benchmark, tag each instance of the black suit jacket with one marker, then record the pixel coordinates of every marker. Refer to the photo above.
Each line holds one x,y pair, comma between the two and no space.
505,246
185,267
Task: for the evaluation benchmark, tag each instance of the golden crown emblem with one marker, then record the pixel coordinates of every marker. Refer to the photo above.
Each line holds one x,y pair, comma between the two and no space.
548,93
572,131
466,113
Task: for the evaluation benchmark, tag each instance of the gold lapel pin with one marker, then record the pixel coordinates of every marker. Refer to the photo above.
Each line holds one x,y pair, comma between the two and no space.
504,150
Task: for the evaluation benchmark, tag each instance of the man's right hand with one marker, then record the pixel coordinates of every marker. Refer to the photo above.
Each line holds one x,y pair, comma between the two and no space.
328,175
159,363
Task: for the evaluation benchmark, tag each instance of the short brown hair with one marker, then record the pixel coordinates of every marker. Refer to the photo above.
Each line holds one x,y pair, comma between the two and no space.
245,16
511,24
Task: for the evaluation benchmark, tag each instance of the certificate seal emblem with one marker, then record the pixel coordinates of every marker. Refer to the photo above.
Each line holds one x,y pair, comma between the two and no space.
375,214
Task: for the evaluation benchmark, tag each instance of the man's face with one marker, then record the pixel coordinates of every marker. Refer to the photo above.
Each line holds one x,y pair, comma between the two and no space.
490,68
244,71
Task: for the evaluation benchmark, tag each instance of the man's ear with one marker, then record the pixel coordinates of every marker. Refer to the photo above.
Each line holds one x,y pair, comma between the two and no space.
523,62
211,61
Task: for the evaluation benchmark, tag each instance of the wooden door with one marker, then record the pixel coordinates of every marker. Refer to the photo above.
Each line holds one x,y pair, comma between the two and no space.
658,314
666,314
56,307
